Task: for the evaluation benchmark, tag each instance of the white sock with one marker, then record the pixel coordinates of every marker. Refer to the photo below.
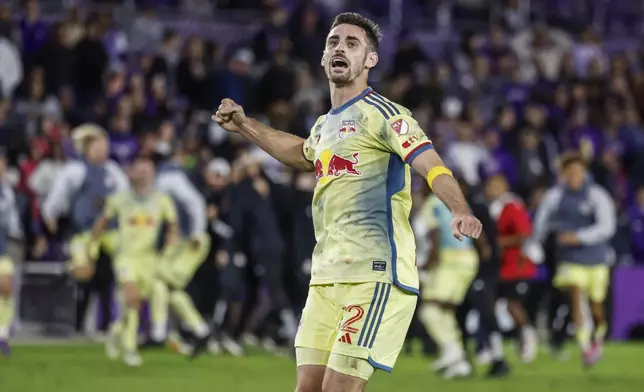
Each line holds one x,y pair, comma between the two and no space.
202,330
4,333
452,350
159,332
496,345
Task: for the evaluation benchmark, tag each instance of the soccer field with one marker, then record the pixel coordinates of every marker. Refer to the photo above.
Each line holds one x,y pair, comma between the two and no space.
85,369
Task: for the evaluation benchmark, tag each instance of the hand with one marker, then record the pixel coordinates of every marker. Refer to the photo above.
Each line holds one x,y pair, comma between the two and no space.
230,115
466,226
567,238
40,247
221,258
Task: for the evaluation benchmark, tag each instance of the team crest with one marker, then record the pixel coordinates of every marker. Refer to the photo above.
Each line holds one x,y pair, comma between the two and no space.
400,126
347,129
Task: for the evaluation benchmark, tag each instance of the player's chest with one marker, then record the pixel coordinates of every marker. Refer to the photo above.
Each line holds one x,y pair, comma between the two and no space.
140,216
344,134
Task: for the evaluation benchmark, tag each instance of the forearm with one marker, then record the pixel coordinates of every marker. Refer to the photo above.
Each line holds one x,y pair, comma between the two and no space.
98,228
283,146
446,188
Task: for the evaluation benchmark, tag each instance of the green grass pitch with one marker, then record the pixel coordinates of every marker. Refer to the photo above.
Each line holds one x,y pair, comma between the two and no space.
85,369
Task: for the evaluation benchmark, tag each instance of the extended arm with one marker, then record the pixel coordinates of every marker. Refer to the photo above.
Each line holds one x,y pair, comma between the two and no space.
605,219
178,185
283,146
444,186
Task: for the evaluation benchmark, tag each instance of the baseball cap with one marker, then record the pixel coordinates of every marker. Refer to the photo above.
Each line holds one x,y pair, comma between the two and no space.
218,166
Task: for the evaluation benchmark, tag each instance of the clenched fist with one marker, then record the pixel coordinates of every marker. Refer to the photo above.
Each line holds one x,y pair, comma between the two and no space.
230,115
466,226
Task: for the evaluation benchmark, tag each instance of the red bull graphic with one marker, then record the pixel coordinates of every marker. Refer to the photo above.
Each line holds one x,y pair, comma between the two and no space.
347,129
330,165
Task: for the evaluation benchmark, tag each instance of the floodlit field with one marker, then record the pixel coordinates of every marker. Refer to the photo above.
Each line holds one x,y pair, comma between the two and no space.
85,369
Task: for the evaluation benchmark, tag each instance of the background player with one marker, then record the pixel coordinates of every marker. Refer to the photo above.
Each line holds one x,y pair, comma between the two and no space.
582,215
450,269
517,270
9,228
81,188
180,262
141,213
363,270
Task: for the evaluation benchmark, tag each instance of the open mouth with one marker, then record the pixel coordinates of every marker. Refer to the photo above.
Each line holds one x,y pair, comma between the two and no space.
339,62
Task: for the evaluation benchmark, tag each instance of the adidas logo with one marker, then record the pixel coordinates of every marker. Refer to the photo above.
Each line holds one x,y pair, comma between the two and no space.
346,338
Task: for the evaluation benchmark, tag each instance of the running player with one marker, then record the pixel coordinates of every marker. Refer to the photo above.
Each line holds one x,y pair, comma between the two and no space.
141,213
450,269
517,271
9,228
180,263
582,215
81,188
364,280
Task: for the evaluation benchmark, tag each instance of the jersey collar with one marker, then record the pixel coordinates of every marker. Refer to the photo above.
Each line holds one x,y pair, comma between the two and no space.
350,102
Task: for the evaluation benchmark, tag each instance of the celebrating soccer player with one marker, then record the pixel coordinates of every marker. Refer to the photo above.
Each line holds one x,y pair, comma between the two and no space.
363,267
82,187
141,213
180,262
582,214
9,228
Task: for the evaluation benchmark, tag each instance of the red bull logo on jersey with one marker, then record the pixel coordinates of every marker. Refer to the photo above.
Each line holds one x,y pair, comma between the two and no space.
330,165
347,129
141,220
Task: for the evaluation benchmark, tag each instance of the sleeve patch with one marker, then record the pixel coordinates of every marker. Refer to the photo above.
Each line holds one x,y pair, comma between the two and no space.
400,126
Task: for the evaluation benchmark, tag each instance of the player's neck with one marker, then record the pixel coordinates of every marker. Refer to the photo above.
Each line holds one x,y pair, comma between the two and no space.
142,191
343,94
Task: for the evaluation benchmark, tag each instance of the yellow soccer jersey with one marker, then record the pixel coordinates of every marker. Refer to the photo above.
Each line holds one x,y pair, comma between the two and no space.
362,198
139,219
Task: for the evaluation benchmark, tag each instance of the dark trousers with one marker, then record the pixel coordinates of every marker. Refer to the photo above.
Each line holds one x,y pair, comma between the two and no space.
101,284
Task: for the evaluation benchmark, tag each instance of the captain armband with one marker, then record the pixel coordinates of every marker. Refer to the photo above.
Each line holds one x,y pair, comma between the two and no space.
435,172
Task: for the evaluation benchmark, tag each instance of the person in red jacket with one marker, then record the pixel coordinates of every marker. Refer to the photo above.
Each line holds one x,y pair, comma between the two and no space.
516,269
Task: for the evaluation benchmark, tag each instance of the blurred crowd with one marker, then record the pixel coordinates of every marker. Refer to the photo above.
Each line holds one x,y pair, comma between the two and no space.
509,98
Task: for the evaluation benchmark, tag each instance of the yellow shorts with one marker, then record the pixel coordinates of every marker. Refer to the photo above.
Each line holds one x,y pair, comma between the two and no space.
6,266
78,248
367,321
592,280
179,265
137,269
447,282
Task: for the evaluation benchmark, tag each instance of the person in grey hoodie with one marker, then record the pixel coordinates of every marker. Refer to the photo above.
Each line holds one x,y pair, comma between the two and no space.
582,216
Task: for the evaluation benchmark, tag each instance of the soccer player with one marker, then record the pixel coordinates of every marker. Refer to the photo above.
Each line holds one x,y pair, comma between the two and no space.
141,213
180,262
517,270
81,188
364,280
582,214
450,269
9,228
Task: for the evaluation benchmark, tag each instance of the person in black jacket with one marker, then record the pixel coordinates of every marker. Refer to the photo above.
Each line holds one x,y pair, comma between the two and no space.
253,218
482,295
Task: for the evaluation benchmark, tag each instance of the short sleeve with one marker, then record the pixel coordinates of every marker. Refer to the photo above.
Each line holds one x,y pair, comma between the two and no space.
111,206
405,137
521,220
308,148
168,210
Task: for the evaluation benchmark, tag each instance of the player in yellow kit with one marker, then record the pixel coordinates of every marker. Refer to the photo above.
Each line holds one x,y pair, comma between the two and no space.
364,280
141,213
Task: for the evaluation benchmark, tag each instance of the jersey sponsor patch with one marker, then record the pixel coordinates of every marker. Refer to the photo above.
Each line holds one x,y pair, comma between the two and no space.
347,129
411,141
380,266
330,165
400,126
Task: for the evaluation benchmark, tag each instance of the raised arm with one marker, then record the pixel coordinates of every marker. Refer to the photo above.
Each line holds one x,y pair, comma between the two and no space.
286,148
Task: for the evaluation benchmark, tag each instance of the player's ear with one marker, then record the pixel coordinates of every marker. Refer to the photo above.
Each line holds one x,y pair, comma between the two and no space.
323,57
372,60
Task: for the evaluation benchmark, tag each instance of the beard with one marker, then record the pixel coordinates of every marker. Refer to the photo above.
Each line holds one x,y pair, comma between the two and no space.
345,78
